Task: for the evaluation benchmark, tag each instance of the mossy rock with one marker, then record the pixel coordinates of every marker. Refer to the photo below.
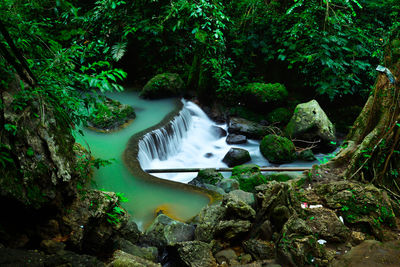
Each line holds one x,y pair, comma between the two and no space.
283,176
163,85
277,149
306,155
266,92
110,114
248,176
279,116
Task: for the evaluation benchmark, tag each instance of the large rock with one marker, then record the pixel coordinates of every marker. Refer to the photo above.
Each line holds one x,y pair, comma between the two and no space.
195,254
163,85
228,185
232,229
236,139
121,258
236,156
309,122
248,176
237,208
241,195
207,176
259,249
166,231
148,253
263,95
277,149
208,219
247,128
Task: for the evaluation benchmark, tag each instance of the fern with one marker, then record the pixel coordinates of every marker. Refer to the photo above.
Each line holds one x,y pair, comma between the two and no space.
118,50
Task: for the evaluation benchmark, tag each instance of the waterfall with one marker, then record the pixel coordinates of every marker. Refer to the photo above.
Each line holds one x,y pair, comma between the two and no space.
162,143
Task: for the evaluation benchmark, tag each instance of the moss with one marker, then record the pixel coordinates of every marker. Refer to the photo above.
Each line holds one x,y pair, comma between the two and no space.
163,85
280,177
277,149
279,116
266,92
110,114
248,176
209,176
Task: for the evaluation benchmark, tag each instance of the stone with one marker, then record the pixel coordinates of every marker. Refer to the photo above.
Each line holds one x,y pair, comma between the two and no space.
208,219
327,225
284,176
309,122
214,188
306,155
265,230
218,131
131,232
260,249
52,246
241,195
227,255
195,254
357,237
163,85
228,185
207,176
260,96
277,149
123,259
232,229
236,139
247,128
236,156
236,208
296,225
371,253
166,231
249,176
148,253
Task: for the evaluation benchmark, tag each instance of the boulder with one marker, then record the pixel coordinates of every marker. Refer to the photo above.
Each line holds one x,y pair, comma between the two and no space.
148,253
248,176
247,128
277,149
279,116
228,185
236,139
263,95
120,258
163,85
236,156
306,155
240,195
218,131
166,231
207,220
237,208
195,254
227,255
213,188
259,249
327,225
309,122
232,229
207,176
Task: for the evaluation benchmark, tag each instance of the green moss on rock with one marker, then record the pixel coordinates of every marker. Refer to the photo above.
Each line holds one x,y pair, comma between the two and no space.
248,176
266,92
163,85
277,149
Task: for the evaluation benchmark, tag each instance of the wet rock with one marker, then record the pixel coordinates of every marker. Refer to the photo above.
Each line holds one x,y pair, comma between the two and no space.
296,225
248,176
218,131
236,139
131,232
228,185
195,254
241,195
306,155
280,215
227,255
214,188
259,249
52,246
163,85
277,149
232,229
260,96
166,231
284,176
148,253
237,208
121,258
247,128
207,176
208,155
265,230
236,156
327,225
371,253
208,219
310,123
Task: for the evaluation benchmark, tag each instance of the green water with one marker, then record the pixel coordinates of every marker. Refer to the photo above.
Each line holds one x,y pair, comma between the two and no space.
144,197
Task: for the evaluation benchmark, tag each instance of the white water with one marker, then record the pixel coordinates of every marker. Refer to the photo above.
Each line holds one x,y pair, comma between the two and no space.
185,142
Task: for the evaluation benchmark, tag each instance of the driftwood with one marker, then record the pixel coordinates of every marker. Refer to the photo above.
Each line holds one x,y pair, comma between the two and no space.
263,169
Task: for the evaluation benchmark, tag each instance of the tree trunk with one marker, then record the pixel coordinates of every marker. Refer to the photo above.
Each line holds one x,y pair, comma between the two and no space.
372,151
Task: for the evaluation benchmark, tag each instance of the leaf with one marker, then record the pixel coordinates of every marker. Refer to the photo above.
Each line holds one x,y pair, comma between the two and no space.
118,51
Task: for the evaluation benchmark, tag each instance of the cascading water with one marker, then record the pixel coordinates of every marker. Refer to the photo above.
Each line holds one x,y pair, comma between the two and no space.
190,140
